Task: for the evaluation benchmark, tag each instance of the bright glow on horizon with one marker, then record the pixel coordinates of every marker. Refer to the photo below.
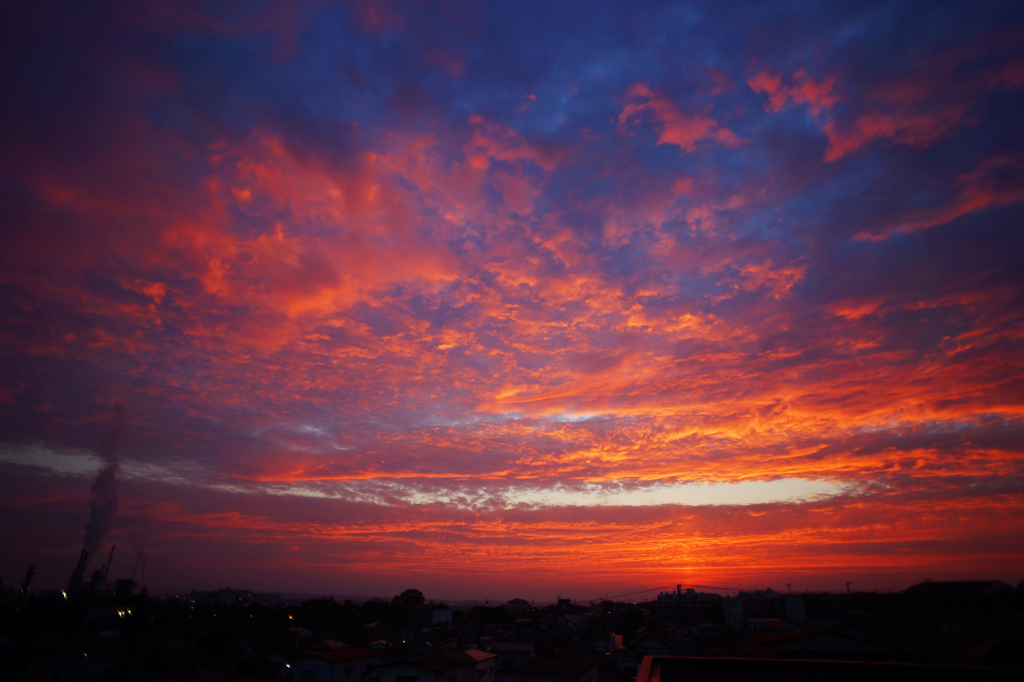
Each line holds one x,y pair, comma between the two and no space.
613,493
690,493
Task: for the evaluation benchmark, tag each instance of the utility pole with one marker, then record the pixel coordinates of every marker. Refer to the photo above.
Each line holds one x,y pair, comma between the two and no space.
789,587
679,610
848,587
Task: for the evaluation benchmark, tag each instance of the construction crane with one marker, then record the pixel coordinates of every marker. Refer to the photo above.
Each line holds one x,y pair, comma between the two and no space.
75,583
109,561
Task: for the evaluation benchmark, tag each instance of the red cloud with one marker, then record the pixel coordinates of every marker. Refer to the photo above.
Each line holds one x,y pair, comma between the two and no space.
683,129
802,89
995,182
916,109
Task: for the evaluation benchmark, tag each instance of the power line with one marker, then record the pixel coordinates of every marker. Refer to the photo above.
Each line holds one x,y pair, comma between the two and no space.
630,594
727,589
665,587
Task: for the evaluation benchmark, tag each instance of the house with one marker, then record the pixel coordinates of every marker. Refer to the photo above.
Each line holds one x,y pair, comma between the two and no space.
823,645
956,595
445,644
1005,651
629,649
468,633
517,606
512,654
561,665
684,669
692,606
762,604
433,668
484,661
954,589
767,625
344,665
326,644
429,616
819,645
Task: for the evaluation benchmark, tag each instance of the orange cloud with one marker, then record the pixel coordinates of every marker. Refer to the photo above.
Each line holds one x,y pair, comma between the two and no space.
359,341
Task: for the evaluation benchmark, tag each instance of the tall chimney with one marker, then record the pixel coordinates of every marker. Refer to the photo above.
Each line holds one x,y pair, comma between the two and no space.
107,570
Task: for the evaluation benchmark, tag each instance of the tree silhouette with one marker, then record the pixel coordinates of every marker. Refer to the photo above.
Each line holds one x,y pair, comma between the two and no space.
408,599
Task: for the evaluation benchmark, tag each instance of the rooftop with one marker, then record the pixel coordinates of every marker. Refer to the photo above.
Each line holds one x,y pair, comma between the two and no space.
440,663
475,654
512,647
560,663
343,655
956,588
685,668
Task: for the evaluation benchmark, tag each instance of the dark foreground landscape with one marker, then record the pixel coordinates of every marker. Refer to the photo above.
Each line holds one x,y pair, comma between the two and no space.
934,630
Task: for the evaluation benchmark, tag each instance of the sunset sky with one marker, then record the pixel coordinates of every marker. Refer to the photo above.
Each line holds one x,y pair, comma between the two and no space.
514,298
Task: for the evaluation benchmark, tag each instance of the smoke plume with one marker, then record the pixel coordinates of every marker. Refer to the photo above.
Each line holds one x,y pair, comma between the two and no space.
104,488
